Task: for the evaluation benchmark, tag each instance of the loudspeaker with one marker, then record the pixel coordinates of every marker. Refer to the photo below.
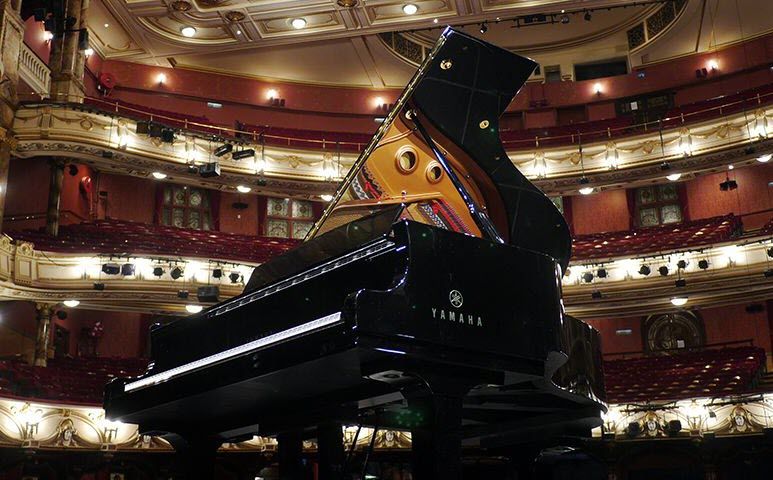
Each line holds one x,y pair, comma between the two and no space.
155,130
143,128
208,293
211,169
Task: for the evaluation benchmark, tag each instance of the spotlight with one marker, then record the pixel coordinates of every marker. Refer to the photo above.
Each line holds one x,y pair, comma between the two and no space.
234,277
601,273
127,269
768,273
663,270
176,273
167,135
193,168
208,293
587,16
565,19
596,295
217,273
678,301
241,154
111,269
223,149
633,430
587,277
770,252
182,294
673,428
155,130
682,264
681,283
99,286
665,166
728,185
645,270
703,264
158,271
483,27
210,169
142,128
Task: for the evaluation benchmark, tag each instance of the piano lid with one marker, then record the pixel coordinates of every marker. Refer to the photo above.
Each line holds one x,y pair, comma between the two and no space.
439,151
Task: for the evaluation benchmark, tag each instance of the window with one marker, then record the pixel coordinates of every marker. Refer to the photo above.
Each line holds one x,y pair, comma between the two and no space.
187,207
658,205
610,68
288,218
552,73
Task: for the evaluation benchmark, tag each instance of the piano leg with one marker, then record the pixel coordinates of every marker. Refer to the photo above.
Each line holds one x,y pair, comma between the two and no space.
330,443
437,447
196,456
290,455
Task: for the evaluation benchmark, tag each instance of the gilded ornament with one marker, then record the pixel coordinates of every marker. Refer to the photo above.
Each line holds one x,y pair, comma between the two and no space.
234,16
648,146
294,160
347,3
181,6
574,157
87,124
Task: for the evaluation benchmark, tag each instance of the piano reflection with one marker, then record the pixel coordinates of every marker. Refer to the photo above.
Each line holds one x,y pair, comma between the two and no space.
426,298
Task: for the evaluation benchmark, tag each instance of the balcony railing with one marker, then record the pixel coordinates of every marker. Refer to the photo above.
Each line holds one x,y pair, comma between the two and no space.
34,71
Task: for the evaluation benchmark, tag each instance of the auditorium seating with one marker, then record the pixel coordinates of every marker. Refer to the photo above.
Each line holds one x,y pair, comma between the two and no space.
164,117
310,139
663,238
68,380
122,237
707,373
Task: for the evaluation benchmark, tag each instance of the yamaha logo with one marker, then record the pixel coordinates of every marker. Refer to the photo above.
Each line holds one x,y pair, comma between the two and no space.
456,299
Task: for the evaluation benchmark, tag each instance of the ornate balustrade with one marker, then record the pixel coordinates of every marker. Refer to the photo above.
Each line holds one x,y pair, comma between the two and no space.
34,71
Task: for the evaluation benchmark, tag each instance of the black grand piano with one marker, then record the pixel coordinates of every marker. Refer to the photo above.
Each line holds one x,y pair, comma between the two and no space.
427,298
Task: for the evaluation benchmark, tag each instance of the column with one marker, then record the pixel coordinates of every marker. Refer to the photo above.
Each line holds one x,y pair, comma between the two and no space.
66,61
7,143
12,29
54,196
44,312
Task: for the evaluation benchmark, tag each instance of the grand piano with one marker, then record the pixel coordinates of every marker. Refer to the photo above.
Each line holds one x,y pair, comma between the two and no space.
426,298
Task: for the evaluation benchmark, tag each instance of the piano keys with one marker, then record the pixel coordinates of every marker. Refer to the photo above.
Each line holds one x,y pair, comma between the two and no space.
427,298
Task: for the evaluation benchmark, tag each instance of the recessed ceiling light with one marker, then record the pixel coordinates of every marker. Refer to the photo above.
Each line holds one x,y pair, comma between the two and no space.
434,21
188,31
674,176
298,23
191,308
107,25
678,301
765,158
410,9
238,32
586,190
71,303
243,189
326,198
730,167
159,175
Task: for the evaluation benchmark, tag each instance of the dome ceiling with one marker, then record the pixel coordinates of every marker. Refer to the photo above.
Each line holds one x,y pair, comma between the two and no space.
341,45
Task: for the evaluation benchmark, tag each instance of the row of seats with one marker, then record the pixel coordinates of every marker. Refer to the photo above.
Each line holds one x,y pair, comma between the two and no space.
585,132
662,238
70,380
122,237
708,373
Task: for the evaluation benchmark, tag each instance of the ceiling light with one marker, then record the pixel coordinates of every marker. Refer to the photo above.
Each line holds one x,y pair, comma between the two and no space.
298,23
188,31
765,158
71,303
238,32
674,176
586,190
271,93
107,25
191,308
434,21
730,167
410,9
326,198
678,301
48,36
159,175
243,189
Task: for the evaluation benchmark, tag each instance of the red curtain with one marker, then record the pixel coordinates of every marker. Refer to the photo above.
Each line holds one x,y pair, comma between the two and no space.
630,195
214,209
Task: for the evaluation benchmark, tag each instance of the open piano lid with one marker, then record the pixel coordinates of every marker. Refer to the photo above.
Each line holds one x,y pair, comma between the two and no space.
439,151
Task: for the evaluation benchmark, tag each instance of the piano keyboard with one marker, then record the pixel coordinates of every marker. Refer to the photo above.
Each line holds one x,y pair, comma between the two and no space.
284,335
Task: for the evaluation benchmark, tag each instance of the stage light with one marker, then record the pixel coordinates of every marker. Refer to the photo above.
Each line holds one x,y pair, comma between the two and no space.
645,270
243,189
565,19
601,273
587,277
410,9
210,169
242,154
596,295
674,176
127,269
678,301
768,273
176,273
681,283
208,293
158,271
587,16
159,175
188,31
111,269
167,135
99,286
298,23
142,128
765,158
234,277
483,27
703,264
191,308
217,273
728,185
223,149
665,166
326,198
682,264
71,303
182,294
663,270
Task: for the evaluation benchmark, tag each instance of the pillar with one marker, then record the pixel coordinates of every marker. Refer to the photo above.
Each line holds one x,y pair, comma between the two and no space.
7,143
330,450
66,61
12,29
44,312
54,197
